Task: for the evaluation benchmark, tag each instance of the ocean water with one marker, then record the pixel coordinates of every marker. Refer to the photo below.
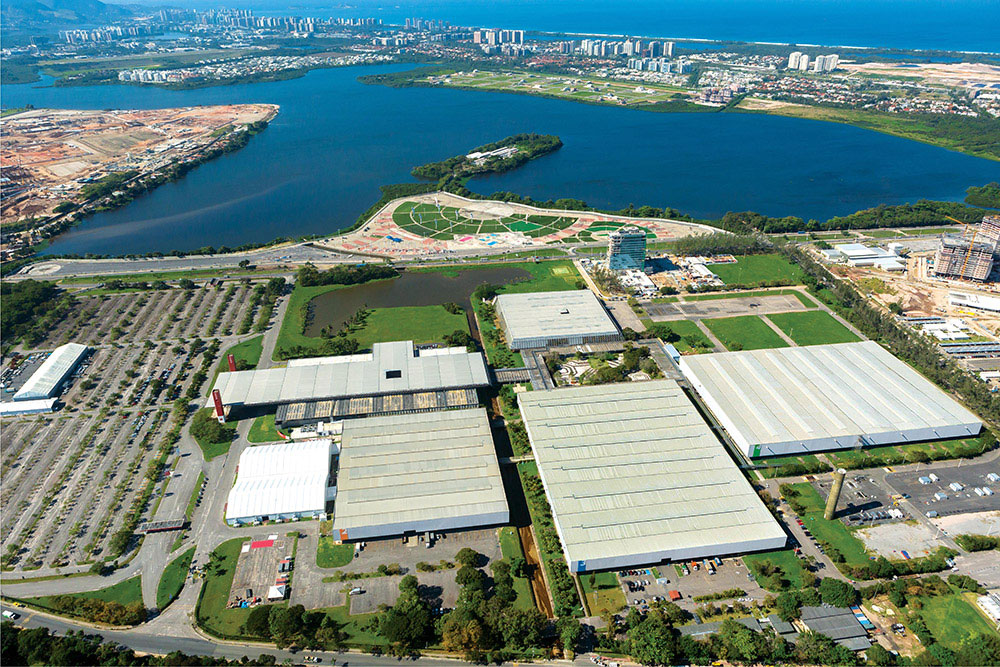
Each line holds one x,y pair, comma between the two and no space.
965,25
320,162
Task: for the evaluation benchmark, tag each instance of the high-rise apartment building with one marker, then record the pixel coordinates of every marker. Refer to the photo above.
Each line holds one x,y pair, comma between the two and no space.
627,248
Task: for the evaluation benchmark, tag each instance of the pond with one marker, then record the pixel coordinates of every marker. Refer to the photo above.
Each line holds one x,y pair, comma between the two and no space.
430,288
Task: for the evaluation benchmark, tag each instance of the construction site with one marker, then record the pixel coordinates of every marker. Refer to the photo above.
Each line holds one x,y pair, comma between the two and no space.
970,256
50,155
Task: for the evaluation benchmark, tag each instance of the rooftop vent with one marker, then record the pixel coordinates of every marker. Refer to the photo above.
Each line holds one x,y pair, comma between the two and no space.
391,375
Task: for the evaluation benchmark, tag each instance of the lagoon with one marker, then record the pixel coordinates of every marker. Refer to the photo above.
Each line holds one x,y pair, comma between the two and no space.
320,162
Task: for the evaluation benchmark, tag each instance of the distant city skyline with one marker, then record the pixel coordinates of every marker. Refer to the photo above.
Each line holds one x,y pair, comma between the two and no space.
960,25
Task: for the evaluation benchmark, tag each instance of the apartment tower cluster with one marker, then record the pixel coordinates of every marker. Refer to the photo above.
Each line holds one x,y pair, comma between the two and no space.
972,256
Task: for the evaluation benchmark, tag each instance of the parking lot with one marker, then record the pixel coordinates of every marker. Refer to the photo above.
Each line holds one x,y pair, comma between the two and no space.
258,568
71,477
862,502
642,587
950,501
744,305
12,379
438,587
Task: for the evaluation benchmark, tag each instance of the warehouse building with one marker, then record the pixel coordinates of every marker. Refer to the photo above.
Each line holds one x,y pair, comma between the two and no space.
391,369
549,319
431,471
50,376
32,407
285,481
804,399
635,476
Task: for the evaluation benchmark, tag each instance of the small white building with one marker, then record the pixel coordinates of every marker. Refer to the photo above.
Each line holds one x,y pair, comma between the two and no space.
280,482
46,381
858,254
974,301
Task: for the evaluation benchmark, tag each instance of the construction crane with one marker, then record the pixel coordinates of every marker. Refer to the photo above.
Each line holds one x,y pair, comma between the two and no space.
972,242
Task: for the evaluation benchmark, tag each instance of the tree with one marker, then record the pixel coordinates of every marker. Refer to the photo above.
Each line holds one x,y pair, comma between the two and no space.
258,621
462,634
408,622
408,585
877,655
521,628
285,623
569,631
837,593
467,556
470,577
979,650
653,642
740,643
185,283
816,649
789,606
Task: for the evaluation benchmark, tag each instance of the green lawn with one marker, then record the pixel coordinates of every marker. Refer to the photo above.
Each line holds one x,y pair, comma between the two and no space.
744,332
952,618
805,300
791,566
331,554
126,592
212,449
777,464
510,547
753,269
290,335
211,612
834,532
153,276
189,512
421,324
263,430
173,579
813,327
248,351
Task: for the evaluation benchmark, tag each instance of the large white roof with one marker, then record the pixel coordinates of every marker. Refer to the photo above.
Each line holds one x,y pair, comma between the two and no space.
845,391
554,315
44,381
429,468
281,479
634,475
389,368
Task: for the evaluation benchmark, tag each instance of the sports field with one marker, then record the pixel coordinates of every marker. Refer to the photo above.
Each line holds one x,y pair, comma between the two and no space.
757,269
813,327
744,332
449,222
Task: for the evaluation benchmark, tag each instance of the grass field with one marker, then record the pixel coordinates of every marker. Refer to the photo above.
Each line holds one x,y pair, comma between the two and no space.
248,351
813,327
744,332
263,430
803,299
212,449
331,554
173,579
551,276
753,269
126,592
211,611
594,91
510,547
833,532
421,324
952,618
895,233
791,566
